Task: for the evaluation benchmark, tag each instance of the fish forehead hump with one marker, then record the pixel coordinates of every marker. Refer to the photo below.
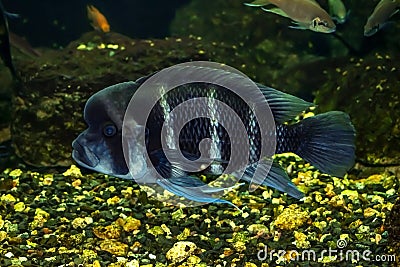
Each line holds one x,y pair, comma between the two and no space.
112,101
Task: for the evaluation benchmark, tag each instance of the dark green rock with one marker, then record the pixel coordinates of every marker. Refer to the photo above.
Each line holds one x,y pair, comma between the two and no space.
367,89
269,48
392,224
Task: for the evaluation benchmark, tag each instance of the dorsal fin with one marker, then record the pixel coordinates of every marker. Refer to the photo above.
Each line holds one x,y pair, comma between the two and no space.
284,107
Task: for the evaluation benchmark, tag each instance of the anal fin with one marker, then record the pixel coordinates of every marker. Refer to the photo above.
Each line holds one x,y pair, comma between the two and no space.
272,176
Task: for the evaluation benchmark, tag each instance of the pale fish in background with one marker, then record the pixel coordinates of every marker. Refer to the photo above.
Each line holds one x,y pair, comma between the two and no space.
338,11
307,14
379,17
23,45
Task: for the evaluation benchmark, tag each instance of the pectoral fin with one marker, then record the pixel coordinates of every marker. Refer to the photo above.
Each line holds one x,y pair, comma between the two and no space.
180,182
193,189
299,26
395,11
276,10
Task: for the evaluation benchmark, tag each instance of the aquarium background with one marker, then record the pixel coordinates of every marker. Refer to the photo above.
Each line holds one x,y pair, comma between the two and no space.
55,24
53,213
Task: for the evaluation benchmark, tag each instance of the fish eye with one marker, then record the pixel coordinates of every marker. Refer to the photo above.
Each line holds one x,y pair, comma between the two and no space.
109,130
314,23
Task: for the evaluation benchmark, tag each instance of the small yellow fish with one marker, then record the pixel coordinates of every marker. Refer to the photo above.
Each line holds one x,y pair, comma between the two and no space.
307,14
382,12
99,22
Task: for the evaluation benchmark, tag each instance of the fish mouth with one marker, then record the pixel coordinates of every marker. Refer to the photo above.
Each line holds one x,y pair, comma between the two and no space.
84,156
331,30
369,32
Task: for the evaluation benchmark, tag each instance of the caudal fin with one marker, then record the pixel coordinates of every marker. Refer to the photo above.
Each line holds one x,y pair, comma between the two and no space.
328,142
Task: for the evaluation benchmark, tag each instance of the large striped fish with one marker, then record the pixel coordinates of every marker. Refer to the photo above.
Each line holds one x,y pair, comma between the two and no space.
325,140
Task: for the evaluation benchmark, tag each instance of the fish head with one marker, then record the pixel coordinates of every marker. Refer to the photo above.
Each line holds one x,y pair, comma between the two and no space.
99,147
105,27
324,25
338,11
380,16
370,30
373,25
340,18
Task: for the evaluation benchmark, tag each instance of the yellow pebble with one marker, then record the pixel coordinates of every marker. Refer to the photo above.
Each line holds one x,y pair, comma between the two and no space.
73,171
7,198
291,218
19,207
15,173
81,47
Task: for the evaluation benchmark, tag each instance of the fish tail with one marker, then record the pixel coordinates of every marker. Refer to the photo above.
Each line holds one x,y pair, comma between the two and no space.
327,142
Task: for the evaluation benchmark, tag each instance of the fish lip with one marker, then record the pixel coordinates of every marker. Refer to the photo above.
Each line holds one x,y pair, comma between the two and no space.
331,30
368,33
84,156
